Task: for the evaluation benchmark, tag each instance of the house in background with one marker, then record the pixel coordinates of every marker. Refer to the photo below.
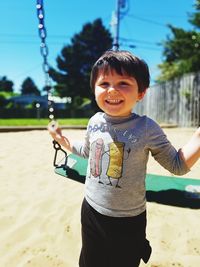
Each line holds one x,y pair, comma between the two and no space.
25,100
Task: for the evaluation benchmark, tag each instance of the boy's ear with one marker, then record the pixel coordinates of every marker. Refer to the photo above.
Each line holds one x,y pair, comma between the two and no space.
141,95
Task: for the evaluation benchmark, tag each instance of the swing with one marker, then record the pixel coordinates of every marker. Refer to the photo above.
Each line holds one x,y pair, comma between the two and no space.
69,168
74,169
169,190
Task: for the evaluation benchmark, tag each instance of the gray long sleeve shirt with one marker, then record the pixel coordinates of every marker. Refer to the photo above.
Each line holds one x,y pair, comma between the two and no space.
118,151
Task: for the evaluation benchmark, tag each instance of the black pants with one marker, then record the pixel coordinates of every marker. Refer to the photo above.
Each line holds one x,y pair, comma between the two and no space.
112,242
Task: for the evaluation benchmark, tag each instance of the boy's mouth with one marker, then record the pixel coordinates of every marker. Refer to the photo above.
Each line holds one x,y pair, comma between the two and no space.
113,101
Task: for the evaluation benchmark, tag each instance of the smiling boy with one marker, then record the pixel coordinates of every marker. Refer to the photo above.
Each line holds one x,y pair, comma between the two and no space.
113,215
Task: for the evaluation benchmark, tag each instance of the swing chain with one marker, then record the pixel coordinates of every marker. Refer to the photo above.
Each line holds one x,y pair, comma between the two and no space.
57,147
45,52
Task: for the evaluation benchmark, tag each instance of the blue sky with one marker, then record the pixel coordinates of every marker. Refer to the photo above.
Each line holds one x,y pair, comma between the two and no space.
144,25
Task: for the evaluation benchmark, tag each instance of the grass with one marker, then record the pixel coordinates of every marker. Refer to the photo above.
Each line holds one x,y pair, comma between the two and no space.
42,122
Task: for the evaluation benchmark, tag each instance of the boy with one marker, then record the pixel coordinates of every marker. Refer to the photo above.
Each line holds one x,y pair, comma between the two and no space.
118,143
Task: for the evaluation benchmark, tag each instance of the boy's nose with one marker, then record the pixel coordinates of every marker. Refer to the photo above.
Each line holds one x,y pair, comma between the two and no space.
112,90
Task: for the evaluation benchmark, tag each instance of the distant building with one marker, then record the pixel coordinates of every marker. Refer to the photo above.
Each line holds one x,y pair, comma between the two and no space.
24,100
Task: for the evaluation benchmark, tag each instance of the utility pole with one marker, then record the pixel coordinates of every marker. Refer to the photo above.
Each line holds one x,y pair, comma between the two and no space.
115,22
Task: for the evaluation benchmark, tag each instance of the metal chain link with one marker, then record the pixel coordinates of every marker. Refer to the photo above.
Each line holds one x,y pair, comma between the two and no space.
45,52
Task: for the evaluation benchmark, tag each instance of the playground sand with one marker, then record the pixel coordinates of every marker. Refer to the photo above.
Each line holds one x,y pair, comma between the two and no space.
40,211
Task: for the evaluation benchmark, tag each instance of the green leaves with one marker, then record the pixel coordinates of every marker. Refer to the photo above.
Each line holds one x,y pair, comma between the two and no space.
181,50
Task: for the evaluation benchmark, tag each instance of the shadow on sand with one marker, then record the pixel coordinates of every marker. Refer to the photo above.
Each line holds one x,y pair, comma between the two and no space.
174,197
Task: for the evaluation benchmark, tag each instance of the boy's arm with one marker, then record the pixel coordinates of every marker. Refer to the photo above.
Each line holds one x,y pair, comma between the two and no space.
79,148
191,151
62,140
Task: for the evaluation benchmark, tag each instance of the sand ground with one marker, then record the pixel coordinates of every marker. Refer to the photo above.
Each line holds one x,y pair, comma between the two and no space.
40,211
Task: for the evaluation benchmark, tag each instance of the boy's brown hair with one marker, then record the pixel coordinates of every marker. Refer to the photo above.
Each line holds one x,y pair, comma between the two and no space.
123,62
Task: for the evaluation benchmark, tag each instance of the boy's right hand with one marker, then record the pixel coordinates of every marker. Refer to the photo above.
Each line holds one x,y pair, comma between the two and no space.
52,126
54,129
56,134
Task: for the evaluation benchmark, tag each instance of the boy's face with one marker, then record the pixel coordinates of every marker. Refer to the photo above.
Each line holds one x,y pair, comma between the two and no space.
116,94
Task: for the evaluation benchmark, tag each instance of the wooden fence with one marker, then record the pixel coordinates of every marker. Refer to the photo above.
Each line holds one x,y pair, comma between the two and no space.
175,102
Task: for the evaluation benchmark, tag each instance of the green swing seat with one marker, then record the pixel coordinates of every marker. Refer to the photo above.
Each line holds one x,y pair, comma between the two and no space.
171,190
74,168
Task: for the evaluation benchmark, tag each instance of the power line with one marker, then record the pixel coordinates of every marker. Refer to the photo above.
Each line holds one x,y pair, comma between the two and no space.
28,42
147,20
139,47
53,36
139,41
159,15
26,72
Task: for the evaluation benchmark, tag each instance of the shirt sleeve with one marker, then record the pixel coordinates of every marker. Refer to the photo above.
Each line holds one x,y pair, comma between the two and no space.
82,148
163,151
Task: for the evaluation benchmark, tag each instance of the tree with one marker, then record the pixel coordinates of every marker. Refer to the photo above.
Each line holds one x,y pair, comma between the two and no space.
3,101
182,50
194,18
75,61
29,87
6,85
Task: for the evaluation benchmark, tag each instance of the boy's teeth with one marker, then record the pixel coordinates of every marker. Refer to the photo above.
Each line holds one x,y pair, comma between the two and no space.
113,100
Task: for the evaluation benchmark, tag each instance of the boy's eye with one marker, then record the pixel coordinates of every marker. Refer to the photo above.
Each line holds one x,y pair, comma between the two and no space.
123,84
104,84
